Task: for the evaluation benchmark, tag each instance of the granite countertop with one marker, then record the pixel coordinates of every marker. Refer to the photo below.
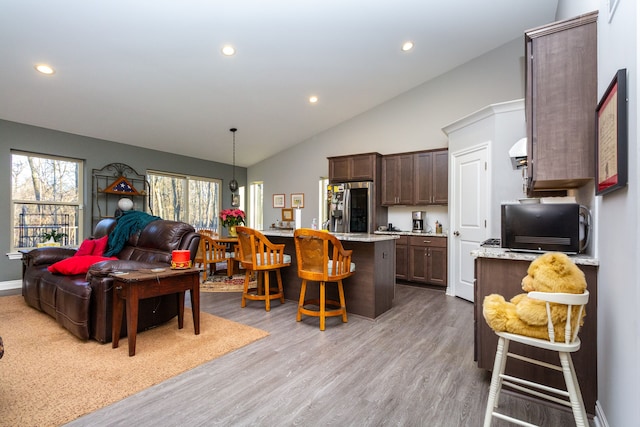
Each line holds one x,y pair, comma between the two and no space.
502,253
410,233
353,237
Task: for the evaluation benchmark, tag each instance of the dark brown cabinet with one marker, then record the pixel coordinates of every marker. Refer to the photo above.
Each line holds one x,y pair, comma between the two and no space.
397,179
560,100
417,178
504,277
428,260
432,178
358,167
402,258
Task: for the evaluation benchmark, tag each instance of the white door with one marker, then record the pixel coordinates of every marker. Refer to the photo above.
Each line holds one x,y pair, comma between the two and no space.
469,204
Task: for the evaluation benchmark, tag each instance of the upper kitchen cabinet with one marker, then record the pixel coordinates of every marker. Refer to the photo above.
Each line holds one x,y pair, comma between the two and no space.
417,178
560,100
397,179
431,185
358,167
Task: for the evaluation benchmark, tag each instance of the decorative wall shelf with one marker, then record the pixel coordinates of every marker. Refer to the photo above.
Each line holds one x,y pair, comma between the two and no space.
114,182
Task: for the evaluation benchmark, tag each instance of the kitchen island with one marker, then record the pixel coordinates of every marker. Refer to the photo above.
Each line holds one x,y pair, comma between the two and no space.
370,291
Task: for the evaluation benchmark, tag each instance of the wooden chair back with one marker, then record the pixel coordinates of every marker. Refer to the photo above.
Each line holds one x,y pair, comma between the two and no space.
211,252
321,256
257,252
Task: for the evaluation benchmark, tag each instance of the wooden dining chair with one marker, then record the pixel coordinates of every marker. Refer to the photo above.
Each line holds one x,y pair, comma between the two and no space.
210,253
321,258
257,254
203,232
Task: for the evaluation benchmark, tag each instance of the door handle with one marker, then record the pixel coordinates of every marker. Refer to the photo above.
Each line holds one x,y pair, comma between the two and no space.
456,233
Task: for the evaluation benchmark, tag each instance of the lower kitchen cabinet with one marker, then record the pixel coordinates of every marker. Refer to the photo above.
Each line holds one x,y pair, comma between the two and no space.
504,276
402,258
427,260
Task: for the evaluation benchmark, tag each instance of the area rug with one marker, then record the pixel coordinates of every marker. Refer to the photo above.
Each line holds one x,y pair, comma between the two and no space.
49,377
222,283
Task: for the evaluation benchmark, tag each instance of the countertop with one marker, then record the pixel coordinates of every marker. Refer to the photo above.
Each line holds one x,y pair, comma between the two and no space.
410,233
502,253
353,237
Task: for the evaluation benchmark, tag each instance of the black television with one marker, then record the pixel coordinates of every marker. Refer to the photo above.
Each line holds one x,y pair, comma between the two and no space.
541,227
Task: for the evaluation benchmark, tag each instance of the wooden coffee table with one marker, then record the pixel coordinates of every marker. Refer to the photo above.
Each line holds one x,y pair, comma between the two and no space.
136,285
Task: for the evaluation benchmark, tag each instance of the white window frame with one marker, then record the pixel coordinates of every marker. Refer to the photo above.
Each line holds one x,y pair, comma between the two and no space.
185,214
74,230
256,204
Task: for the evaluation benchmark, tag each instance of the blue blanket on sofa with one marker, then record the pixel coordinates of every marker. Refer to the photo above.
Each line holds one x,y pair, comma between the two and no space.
129,223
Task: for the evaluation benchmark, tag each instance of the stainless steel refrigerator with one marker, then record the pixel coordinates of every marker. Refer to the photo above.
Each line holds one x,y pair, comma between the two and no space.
351,207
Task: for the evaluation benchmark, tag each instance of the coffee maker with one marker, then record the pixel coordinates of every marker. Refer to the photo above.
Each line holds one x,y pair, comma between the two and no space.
418,219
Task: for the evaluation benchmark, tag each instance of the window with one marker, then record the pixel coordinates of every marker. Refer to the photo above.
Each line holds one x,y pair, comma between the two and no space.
46,196
323,202
194,200
256,206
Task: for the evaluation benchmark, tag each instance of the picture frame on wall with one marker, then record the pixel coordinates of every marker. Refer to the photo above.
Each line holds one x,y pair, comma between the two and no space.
611,136
287,214
297,200
278,200
235,200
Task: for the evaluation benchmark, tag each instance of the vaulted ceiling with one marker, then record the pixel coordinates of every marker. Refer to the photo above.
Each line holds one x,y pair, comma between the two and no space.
150,73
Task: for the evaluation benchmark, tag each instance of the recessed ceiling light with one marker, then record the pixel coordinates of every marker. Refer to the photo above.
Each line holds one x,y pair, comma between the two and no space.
44,69
228,50
313,99
407,46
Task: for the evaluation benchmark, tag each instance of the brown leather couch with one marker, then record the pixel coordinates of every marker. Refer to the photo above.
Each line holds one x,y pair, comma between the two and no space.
83,303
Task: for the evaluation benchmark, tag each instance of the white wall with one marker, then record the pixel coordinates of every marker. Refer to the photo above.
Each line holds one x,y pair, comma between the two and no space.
499,126
409,122
618,234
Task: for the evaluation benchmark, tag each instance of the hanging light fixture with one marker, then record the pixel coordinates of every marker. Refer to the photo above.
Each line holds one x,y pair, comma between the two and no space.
233,184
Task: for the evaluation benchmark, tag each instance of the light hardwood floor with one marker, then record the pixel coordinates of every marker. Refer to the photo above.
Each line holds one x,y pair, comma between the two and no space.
412,366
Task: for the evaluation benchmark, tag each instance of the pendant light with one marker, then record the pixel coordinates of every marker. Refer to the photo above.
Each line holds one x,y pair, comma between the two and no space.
233,184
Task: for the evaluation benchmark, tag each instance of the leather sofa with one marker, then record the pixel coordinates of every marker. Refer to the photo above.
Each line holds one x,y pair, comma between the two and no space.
82,303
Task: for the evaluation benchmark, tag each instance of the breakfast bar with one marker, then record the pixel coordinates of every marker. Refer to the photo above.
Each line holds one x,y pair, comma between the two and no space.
370,291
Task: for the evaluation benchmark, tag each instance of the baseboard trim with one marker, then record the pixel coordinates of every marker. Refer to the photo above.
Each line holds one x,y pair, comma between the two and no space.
10,285
600,419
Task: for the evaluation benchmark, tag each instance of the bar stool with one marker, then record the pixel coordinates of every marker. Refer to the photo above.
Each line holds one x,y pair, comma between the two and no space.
569,343
321,258
258,254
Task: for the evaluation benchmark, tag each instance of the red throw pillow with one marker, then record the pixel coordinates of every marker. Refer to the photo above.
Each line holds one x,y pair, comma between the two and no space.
76,264
100,246
86,248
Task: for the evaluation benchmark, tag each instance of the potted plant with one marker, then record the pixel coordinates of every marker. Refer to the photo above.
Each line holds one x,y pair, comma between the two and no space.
51,238
231,218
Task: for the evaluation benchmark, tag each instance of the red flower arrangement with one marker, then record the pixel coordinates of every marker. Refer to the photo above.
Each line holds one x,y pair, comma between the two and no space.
231,217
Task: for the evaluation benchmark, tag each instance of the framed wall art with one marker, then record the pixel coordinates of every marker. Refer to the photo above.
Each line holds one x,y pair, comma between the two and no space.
278,200
297,200
287,214
611,136
235,200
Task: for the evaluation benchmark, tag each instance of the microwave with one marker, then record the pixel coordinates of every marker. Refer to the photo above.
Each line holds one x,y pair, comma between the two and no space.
545,227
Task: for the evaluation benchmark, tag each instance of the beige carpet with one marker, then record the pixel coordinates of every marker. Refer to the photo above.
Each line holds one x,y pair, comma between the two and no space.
49,377
222,283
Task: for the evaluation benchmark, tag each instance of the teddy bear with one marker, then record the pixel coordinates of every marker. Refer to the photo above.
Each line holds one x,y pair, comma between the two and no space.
550,272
